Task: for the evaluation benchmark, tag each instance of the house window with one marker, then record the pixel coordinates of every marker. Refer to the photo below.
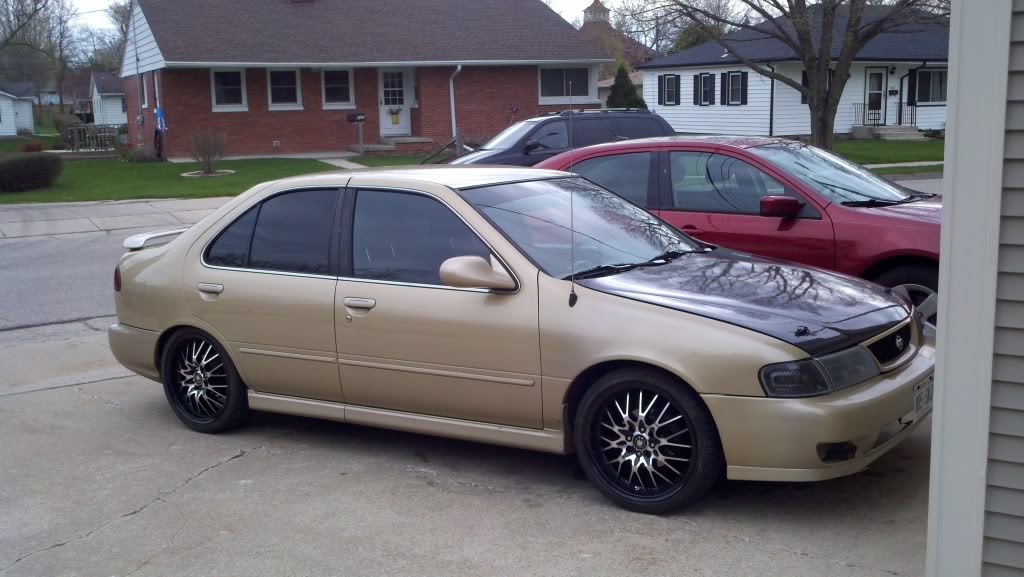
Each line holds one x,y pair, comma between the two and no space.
671,91
124,105
668,89
704,89
560,84
931,86
337,88
228,88
284,89
735,91
145,92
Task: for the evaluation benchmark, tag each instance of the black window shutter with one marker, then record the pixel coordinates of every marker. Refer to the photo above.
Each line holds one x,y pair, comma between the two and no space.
725,89
676,98
711,79
912,89
661,89
696,89
804,82
743,89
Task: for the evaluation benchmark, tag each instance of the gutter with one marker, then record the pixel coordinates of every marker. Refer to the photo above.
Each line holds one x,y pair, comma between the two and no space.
451,98
771,103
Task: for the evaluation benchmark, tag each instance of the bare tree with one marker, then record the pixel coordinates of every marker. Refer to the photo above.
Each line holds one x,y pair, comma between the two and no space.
62,41
16,18
813,32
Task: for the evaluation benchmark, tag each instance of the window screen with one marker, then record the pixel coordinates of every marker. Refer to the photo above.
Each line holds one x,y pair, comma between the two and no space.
405,237
293,232
227,87
556,81
284,87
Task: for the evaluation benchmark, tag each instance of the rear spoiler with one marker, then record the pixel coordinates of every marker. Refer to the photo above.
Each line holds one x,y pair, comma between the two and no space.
139,241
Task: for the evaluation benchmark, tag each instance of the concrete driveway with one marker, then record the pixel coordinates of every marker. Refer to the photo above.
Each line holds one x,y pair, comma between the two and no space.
97,477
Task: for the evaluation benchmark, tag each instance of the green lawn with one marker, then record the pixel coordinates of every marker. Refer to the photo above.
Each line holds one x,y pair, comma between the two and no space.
887,151
12,144
111,179
908,169
388,160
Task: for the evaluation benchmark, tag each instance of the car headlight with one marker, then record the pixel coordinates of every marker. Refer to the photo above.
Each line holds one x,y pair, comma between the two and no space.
819,376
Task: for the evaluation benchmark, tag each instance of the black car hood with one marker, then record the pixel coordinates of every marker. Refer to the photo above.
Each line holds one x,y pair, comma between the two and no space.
813,309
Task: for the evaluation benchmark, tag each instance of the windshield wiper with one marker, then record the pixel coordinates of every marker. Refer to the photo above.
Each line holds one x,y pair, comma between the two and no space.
916,196
604,270
870,203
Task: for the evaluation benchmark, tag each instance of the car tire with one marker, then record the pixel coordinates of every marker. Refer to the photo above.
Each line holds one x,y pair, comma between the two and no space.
202,384
635,431
914,274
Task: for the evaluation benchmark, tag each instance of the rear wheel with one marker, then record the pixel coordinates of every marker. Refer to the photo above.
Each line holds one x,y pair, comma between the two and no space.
647,441
201,383
917,283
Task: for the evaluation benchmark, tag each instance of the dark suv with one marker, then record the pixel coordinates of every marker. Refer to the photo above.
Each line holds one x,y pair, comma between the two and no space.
531,141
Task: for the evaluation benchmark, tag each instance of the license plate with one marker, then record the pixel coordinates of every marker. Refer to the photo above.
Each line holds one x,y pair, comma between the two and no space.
923,395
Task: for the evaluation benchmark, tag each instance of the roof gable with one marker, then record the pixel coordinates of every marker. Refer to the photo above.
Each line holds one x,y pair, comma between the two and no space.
363,31
106,83
911,42
18,89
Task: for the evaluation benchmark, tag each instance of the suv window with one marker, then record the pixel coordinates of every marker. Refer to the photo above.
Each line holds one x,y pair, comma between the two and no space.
625,174
293,232
638,127
289,232
588,131
552,135
405,237
707,182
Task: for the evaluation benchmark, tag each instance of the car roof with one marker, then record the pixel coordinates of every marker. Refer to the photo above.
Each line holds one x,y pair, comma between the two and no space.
733,141
457,176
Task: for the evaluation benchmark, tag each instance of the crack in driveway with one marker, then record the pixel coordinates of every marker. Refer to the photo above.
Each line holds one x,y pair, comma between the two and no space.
159,498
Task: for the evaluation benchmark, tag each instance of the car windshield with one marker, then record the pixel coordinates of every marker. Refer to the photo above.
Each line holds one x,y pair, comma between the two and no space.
611,234
511,135
834,178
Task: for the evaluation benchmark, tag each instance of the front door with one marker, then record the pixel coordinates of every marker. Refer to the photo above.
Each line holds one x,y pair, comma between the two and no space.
716,198
874,96
396,96
407,342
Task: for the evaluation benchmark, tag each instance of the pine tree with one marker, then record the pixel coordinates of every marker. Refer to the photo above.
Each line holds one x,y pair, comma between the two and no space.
624,94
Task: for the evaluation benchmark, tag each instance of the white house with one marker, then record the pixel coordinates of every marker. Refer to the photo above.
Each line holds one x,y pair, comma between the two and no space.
898,79
16,99
108,100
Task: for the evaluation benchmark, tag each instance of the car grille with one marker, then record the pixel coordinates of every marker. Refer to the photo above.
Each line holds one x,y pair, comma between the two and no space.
891,347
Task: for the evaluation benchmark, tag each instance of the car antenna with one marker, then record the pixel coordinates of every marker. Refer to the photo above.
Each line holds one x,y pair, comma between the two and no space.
572,228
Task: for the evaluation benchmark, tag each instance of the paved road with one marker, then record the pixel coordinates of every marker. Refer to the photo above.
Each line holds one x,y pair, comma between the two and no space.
97,477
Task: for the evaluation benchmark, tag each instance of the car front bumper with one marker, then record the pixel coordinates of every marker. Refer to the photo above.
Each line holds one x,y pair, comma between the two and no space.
771,439
135,348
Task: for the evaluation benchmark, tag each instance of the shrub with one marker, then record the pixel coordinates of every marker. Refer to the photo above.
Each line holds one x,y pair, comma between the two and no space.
26,132
132,154
32,146
624,93
207,148
29,171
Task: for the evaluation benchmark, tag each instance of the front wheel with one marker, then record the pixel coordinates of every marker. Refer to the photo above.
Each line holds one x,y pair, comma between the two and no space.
201,383
647,442
917,283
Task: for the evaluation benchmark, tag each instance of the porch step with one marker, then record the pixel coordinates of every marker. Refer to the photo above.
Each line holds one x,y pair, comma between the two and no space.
895,128
371,148
406,140
908,136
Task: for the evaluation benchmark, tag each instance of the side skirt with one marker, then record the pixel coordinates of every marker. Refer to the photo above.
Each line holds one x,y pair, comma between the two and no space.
545,440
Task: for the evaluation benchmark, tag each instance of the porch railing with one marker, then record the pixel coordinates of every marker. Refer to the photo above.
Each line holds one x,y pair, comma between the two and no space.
865,116
96,136
906,114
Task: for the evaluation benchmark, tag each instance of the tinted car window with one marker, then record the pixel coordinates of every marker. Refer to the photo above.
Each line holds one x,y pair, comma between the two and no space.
587,131
405,238
638,127
552,135
625,174
293,232
706,182
231,248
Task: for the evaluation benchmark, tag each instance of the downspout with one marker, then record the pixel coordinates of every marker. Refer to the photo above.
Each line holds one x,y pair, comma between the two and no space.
451,97
903,100
771,104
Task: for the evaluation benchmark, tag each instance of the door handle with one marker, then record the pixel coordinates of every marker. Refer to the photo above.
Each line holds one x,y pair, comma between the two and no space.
690,229
209,287
359,303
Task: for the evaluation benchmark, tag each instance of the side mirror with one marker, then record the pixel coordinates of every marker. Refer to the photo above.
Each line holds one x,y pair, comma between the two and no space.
476,272
530,146
780,206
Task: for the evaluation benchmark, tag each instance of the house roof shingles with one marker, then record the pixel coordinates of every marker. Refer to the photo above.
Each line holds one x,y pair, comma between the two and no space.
108,83
910,42
363,31
18,89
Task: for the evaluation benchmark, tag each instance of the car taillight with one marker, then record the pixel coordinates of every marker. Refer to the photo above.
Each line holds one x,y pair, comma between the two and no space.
117,279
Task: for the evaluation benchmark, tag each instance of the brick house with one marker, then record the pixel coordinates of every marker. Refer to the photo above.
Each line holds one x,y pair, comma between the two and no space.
282,76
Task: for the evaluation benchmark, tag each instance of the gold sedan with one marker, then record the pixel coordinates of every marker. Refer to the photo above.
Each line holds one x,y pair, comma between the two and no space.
526,308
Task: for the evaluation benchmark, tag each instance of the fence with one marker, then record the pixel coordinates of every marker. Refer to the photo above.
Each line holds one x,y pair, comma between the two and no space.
864,115
96,136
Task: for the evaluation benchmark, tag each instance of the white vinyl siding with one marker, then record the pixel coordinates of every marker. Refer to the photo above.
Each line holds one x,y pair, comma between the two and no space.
1003,545
751,119
107,110
23,115
141,49
7,118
